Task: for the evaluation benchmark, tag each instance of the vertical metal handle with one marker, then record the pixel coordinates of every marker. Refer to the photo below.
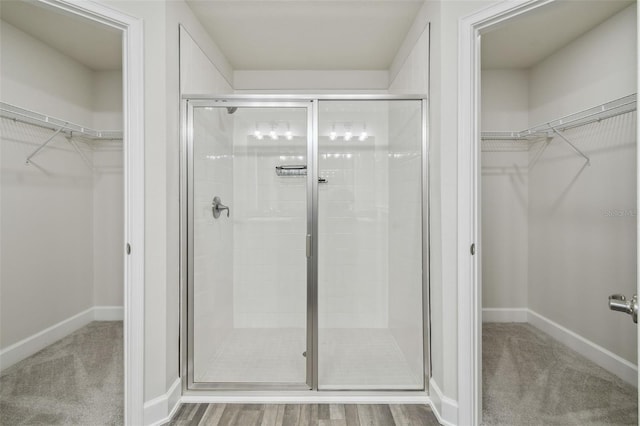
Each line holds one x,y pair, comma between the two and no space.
308,245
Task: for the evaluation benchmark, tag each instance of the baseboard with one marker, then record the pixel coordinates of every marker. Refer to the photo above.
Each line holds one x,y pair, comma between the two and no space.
36,342
444,408
311,397
504,314
108,313
606,359
159,411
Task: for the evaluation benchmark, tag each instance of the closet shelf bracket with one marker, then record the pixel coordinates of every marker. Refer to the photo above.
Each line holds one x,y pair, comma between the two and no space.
45,143
80,153
561,136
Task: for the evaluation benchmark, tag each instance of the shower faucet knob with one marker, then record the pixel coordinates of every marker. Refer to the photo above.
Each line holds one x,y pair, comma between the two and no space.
217,207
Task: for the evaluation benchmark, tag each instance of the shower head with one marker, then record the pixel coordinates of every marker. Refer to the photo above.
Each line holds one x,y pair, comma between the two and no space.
231,110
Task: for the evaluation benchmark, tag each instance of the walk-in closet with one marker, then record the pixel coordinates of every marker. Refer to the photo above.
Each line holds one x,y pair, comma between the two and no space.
62,223
558,156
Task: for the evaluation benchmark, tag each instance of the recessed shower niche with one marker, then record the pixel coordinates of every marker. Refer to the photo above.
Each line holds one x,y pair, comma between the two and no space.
305,243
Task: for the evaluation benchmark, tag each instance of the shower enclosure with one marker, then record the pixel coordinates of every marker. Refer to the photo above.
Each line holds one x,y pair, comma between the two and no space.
305,243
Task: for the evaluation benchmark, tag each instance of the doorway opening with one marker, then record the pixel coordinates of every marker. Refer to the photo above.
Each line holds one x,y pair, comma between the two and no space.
71,155
552,197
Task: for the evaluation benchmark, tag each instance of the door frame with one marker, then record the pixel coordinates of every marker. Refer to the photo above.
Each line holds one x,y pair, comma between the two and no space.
186,341
469,369
134,193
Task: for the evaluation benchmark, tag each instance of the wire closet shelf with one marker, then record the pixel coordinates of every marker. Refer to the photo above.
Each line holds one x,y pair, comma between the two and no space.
23,115
587,116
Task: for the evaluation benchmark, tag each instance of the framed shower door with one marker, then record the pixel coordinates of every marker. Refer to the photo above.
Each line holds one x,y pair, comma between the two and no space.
249,226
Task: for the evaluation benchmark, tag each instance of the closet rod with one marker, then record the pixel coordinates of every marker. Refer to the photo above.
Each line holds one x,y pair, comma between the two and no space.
590,115
26,116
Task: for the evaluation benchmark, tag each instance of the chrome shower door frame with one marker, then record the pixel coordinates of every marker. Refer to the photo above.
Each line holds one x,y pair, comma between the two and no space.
187,241
310,102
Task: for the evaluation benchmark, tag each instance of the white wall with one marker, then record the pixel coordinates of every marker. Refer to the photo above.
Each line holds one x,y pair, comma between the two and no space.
505,199
108,223
581,249
47,224
595,68
505,99
26,82
53,267
107,100
579,252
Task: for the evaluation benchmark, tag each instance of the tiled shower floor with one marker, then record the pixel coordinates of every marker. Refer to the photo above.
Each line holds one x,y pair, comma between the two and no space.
349,359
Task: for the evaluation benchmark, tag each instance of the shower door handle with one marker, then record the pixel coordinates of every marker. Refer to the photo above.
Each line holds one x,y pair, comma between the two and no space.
217,207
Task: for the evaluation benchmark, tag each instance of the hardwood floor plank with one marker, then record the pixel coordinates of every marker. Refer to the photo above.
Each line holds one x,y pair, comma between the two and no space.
280,416
308,415
399,416
249,418
336,411
212,415
291,415
351,415
332,422
197,415
303,415
323,412
375,415
229,415
270,415
421,414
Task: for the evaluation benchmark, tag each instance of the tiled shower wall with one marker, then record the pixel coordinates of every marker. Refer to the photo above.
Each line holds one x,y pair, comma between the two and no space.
353,211
213,238
270,221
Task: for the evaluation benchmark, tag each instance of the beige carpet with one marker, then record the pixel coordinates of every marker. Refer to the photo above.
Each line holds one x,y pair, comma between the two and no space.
75,381
531,379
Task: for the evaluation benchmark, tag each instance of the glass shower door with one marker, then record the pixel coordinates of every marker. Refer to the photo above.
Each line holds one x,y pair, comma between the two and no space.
370,245
248,224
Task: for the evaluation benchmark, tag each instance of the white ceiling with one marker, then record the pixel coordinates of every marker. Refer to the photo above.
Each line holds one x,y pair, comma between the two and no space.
522,43
307,34
96,46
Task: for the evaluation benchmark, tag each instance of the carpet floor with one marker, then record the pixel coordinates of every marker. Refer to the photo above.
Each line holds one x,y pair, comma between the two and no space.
529,378
76,381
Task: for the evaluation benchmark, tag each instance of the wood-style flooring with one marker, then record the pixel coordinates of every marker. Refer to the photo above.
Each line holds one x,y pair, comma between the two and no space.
303,414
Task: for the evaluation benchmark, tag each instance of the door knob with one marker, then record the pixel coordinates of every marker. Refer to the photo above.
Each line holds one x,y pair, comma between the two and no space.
618,302
217,207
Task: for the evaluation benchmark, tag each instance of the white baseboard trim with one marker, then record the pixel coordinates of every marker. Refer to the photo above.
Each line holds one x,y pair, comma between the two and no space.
311,397
159,411
108,313
444,408
36,342
504,314
606,359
